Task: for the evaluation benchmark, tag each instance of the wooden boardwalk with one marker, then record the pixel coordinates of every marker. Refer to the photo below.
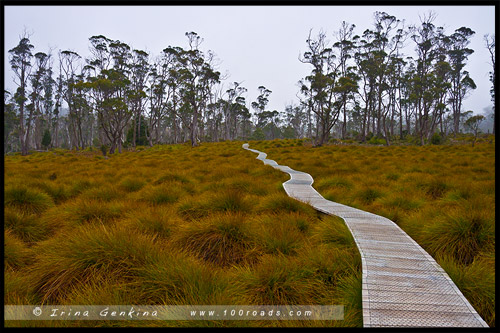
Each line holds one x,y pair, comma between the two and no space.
403,286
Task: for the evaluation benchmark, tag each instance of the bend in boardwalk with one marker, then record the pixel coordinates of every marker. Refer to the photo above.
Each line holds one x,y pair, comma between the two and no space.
402,285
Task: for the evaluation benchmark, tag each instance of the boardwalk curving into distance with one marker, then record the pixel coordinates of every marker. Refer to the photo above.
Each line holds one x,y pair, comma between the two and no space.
403,286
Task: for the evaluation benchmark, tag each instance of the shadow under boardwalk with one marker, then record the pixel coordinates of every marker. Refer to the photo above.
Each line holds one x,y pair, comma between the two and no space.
403,286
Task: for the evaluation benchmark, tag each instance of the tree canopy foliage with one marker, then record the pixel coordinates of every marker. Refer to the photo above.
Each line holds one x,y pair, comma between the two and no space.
359,86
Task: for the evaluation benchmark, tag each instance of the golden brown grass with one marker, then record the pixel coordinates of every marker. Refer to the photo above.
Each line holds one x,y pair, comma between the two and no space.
169,225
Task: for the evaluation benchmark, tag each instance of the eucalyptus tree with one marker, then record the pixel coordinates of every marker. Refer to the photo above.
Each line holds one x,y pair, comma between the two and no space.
461,82
425,39
439,80
233,109
388,37
348,78
197,78
20,61
118,112
9,120
261,115
110,85
441,76
157,97
213,118
325,103
259,105
69,66
244,119
490,45
173,82
296,117
58,96
48,84
306,102
36,97
139,69
366,65
83,109
98,61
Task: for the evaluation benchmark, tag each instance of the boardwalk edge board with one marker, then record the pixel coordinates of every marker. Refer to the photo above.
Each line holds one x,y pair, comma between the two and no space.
380,262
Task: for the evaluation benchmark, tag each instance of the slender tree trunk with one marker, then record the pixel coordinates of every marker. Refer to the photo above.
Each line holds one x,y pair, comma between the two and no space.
344,124
194,127
176,129
364,125
379,114
400,122
441,122
134,125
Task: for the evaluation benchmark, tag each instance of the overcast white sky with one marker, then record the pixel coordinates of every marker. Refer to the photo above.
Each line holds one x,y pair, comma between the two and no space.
257,45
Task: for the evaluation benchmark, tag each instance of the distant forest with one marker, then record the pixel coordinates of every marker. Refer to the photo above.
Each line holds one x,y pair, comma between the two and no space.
361,87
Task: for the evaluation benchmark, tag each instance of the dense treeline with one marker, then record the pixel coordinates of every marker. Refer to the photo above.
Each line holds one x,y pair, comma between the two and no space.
360,86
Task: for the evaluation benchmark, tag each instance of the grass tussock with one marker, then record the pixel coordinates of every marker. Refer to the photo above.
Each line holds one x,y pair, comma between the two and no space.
221,239
280,234
16,292
123,230
28,227
279,280
177,278
160,221
461,233
16,253
64,262
229,200
332,230
280,202
27,200
83,211
160,194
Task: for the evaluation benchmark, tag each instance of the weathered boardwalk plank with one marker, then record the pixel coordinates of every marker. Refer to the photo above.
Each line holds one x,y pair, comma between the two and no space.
402,285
